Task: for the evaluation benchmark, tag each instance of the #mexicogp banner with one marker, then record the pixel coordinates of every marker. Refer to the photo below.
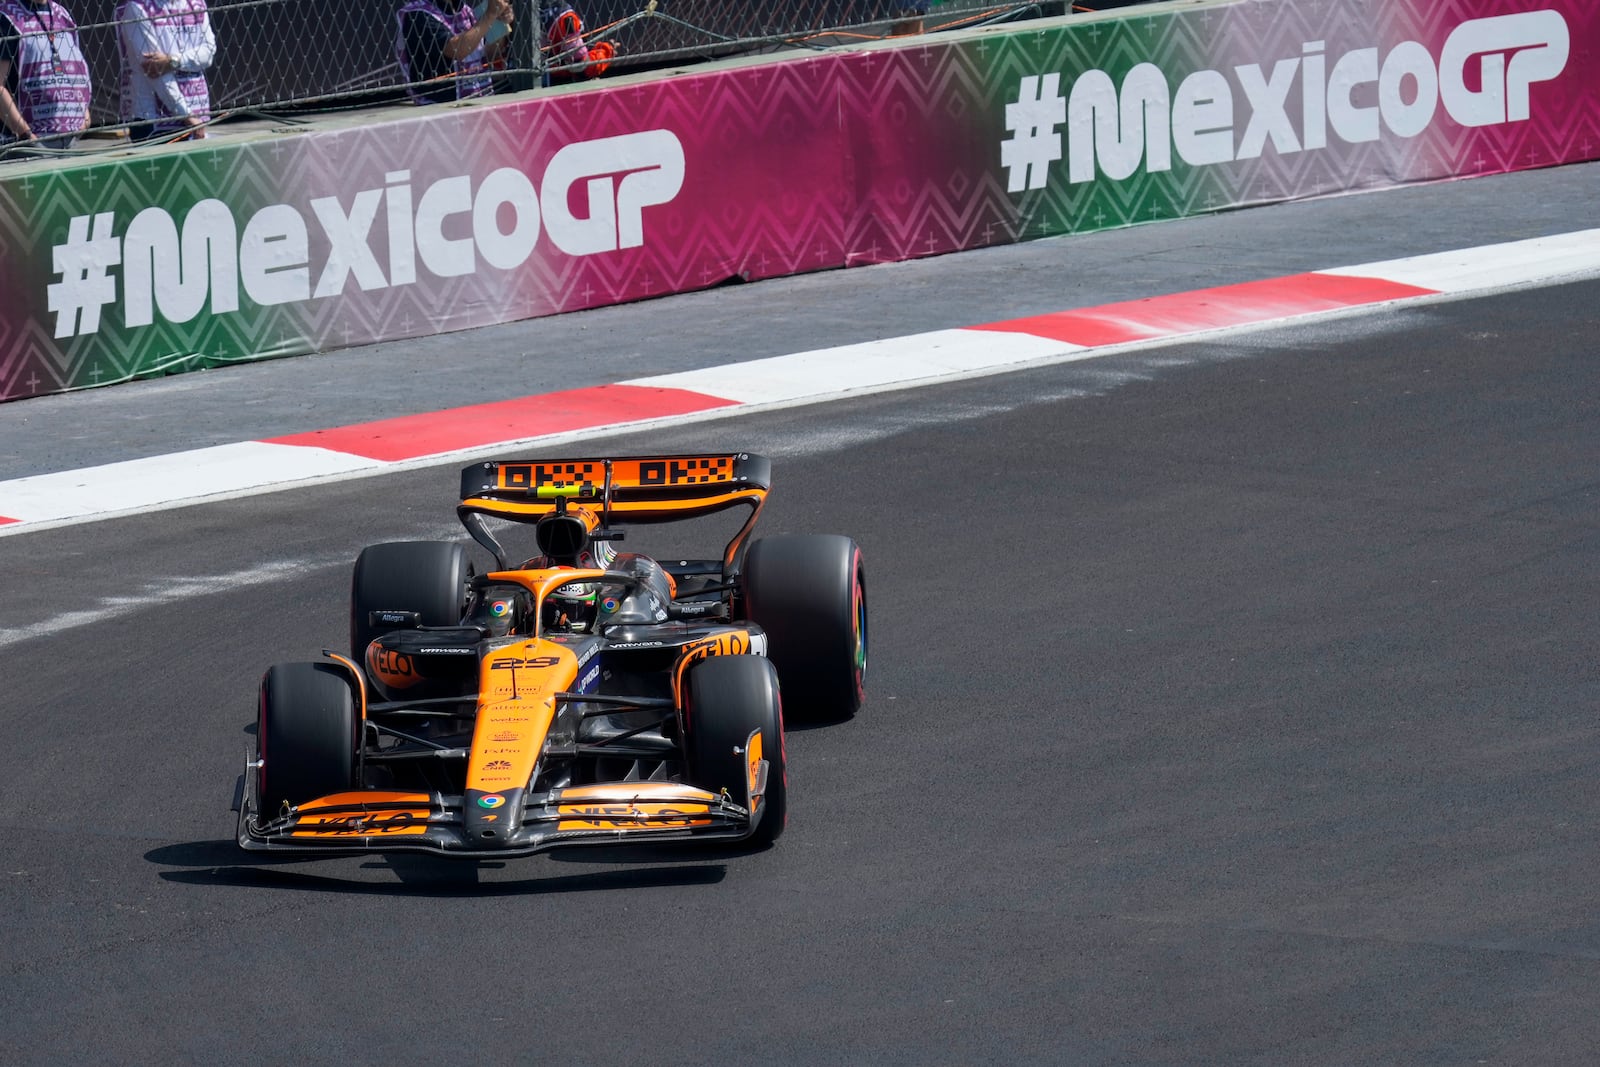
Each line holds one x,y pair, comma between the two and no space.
420,222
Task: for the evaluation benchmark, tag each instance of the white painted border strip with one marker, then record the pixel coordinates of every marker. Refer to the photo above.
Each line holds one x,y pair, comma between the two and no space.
1467,270
143,483
872,365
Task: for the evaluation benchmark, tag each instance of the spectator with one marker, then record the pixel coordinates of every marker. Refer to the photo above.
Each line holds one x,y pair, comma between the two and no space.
565,49
44,81
444,39
167,46
909,17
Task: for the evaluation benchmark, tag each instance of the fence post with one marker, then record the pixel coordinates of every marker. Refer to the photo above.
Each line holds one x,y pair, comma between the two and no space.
525,60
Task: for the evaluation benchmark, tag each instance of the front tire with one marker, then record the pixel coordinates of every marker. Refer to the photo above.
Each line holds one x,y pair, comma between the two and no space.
809,593
729,698
426,577
306,735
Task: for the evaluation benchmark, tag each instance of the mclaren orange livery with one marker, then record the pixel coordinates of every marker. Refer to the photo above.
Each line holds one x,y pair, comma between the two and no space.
581,695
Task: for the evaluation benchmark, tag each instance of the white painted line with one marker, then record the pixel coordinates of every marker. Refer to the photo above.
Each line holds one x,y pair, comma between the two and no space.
140,483
871,365
1502,266
160,591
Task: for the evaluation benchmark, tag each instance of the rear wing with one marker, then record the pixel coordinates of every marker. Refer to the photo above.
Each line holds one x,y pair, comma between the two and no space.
624,490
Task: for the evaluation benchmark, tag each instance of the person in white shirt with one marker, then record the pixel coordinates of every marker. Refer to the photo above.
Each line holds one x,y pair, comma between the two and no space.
167,46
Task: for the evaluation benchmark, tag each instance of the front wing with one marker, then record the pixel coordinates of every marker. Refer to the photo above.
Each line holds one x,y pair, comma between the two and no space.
620,812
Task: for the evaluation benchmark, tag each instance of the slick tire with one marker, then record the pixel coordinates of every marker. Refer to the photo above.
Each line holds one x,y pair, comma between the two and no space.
729,698
305,736
427,577
808,592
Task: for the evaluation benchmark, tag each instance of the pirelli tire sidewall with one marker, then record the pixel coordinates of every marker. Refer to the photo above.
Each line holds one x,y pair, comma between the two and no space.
729,698
306,735
808,593
426,577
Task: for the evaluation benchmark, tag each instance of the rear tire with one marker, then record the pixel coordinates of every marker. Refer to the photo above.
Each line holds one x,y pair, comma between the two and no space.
306,735
427,577
809,593
729,698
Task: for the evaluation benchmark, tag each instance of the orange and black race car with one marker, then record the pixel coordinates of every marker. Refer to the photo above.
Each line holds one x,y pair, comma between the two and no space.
582,696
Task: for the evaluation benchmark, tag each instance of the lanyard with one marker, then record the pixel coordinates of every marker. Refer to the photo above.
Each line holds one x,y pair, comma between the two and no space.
50,36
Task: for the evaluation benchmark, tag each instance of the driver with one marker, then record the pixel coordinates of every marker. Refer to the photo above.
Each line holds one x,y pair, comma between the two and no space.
571,609
566,540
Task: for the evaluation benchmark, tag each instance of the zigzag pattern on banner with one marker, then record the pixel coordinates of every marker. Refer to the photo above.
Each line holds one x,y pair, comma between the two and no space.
924,184
176,181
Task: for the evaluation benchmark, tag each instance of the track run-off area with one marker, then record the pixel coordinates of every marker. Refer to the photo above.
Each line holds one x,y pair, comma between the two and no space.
1231,697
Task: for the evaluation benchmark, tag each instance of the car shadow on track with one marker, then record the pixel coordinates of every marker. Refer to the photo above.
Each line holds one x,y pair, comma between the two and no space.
804,720
222,863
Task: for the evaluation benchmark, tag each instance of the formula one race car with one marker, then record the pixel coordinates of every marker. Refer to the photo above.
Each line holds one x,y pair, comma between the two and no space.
584,696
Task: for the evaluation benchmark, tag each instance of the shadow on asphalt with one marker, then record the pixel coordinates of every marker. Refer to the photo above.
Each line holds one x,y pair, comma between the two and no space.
806,719
223,863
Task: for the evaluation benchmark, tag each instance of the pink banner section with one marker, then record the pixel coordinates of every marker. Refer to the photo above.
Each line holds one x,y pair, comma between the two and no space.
573,200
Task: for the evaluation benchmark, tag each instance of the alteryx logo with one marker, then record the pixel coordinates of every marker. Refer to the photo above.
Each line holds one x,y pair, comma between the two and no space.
1483,77
451,227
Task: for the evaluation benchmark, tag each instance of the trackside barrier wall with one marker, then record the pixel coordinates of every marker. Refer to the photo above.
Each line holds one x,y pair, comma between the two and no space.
420,222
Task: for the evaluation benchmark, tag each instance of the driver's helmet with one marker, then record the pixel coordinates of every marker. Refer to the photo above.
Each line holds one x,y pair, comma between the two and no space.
571,608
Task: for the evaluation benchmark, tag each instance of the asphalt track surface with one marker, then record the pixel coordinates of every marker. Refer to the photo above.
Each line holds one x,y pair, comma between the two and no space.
1231,702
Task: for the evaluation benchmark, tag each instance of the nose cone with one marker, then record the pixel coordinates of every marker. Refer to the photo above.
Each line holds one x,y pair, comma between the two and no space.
488,819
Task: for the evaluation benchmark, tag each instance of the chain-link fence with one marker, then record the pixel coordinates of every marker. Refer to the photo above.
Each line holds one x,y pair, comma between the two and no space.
304,55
